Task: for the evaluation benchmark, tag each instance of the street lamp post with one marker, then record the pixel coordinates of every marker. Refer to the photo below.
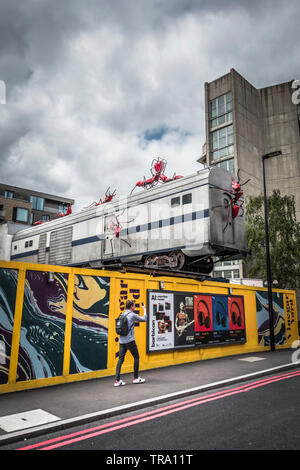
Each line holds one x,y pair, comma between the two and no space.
269,274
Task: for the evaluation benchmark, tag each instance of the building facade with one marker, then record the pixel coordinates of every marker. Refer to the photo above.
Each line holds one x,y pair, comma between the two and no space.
25,206
242,124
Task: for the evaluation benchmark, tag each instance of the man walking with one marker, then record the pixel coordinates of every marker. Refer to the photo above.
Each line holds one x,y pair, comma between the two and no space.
128,343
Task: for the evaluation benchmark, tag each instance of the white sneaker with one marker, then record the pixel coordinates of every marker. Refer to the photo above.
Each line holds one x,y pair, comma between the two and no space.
118,383
138,380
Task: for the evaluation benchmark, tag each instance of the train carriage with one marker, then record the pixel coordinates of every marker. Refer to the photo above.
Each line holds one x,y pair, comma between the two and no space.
181,224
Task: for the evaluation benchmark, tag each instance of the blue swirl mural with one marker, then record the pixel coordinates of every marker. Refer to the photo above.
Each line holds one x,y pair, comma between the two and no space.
42,333
89,324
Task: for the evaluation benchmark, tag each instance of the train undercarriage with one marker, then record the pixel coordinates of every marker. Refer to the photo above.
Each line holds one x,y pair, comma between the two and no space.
176,260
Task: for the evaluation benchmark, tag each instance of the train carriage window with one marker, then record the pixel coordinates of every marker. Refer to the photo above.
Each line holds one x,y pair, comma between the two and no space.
26,244
30,242
175,201
187,198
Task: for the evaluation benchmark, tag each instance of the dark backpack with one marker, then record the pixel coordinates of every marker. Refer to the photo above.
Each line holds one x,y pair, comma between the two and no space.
122,327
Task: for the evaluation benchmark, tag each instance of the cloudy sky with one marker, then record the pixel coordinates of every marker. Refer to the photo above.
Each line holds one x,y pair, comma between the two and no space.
95,89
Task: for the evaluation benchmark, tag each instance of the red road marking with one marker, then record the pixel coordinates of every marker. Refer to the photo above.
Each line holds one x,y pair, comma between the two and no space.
149,415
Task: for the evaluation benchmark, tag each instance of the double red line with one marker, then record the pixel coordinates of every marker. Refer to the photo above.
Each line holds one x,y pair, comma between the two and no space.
149,415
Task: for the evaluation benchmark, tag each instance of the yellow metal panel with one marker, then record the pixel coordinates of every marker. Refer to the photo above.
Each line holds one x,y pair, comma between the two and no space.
114,310
17,327
291,319
68,325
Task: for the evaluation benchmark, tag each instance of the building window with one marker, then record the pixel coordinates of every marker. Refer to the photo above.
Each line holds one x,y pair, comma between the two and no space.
31,218
45,218
21,215
8,194
62,208
220,110
227,165
228,274
37,202
235,274
226,263
222,142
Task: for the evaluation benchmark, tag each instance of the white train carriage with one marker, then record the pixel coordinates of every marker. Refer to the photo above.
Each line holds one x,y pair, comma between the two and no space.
180,224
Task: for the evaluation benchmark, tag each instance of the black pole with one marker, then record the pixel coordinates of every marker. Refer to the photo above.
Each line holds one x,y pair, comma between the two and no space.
269,275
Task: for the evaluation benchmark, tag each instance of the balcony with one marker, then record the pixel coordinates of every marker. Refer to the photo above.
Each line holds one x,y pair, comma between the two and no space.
202,159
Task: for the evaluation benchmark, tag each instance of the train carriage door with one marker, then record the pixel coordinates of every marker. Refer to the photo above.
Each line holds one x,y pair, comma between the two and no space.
60,251
119,235
42,249
111,244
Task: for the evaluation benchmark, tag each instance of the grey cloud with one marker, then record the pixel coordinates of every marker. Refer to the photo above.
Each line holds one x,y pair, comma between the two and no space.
86,80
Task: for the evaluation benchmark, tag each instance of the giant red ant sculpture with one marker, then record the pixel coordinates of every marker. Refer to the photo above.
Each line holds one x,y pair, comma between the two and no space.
68,211
108,198
39,222
235,204
157,169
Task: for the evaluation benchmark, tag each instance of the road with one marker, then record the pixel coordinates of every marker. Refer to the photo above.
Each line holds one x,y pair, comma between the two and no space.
260,414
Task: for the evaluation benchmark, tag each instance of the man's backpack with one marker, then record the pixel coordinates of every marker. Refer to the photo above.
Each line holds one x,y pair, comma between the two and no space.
122,328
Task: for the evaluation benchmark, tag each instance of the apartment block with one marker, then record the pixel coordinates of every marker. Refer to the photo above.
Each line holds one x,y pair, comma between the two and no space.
242,124
26,206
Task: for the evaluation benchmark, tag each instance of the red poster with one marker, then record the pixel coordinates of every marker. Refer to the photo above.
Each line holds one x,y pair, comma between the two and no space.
203,313
236,313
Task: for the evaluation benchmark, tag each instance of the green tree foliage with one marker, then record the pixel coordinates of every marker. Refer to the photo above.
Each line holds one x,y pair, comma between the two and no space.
284,237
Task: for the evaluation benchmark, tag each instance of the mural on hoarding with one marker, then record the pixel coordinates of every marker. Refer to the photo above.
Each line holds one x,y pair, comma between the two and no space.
262,311
42,336
89,324
183,319
8,290
42,332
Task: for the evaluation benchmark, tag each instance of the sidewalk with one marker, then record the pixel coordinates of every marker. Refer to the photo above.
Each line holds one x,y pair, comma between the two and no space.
82,402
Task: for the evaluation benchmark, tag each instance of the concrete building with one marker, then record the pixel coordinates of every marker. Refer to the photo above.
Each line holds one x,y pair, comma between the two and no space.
242,124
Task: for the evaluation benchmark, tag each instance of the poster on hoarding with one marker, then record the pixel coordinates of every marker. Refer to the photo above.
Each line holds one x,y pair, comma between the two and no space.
219,319
203,319
161,322
184,333
185,320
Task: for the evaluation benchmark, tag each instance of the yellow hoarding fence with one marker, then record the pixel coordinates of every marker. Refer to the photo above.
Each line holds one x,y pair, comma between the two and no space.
57,323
